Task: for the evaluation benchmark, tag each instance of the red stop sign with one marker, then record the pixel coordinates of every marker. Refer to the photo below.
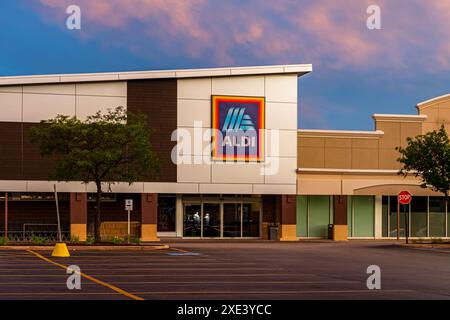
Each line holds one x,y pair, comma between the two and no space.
404,197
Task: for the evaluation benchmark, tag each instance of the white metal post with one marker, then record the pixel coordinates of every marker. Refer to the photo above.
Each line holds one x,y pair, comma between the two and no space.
129,228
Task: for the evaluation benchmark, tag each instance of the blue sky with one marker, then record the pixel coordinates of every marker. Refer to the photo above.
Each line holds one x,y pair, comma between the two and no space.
357,72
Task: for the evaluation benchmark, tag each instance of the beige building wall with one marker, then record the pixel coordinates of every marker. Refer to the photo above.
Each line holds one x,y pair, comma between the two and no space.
437,111
330,149
365,162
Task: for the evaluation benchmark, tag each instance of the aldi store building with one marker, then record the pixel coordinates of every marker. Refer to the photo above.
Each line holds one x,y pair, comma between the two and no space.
233,162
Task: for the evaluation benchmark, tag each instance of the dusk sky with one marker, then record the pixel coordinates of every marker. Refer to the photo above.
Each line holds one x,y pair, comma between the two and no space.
357,71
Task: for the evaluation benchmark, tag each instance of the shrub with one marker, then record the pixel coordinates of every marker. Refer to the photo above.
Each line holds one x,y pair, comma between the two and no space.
116,240
90,240
3,241
135,240
75,239
37,240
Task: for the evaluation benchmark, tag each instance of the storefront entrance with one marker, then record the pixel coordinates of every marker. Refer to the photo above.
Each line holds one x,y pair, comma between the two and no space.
221,219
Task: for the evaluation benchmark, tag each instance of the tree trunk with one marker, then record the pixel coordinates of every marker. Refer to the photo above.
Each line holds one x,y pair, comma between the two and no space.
98,219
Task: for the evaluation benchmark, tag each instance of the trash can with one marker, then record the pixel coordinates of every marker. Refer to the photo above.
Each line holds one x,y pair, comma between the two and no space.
273,233
330,231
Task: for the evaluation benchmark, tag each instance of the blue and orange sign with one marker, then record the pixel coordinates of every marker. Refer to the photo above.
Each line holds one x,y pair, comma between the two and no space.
238,125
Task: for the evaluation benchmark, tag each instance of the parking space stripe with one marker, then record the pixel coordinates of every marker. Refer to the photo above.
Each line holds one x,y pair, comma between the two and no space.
102,283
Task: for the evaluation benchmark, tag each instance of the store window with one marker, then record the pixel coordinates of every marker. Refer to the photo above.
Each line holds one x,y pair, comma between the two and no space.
385,216
393,218
418,217
167,213
251,213
437,216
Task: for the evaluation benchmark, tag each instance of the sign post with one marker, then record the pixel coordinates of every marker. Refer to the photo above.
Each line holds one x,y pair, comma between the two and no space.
404,198
129,208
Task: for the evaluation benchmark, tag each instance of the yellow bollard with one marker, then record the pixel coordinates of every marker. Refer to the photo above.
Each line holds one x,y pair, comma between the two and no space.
60,251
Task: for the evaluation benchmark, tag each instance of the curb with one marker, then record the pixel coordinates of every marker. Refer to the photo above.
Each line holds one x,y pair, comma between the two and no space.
432,248
89,248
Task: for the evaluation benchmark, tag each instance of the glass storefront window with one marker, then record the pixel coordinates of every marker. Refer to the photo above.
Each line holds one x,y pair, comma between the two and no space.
437,216
251,213
393,218
192,220
213,217
385,218
418,217
211,220
167,213
231,220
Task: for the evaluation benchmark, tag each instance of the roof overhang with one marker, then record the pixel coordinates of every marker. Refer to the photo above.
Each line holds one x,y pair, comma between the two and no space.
296,69
340,133
433,101
399,117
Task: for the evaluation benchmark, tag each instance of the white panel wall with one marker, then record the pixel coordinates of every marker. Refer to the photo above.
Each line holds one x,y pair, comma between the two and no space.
37,107
33,103
10,107
194,104
89,105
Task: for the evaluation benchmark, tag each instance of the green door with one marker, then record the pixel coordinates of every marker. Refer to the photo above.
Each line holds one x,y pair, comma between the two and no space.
363,216
319,216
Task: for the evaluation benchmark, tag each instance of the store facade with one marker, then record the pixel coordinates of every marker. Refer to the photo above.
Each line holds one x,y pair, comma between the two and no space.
233,163
350,178
226,139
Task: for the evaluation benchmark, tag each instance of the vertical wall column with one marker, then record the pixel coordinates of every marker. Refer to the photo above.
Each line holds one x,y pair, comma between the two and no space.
78,216
149,217
340,225
378,217
288,218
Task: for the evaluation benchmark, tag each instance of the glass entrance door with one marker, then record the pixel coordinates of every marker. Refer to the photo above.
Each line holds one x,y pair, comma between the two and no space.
211,220
232,220
192,220
222,219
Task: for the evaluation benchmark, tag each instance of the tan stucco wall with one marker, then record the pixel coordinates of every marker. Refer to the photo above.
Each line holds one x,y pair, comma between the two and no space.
364,163
359,184
438,113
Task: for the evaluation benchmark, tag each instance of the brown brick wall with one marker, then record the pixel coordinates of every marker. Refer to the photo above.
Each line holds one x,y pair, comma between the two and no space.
158,100
19,158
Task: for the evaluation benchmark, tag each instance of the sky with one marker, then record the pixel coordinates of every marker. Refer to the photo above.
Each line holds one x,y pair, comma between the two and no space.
356,71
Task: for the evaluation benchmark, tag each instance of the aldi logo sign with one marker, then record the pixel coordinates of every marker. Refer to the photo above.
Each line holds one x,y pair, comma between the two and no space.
238,125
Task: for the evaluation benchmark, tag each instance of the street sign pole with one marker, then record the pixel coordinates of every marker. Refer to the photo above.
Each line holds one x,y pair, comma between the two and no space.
129,228
129,208
57,214
398,220
404,198
406,224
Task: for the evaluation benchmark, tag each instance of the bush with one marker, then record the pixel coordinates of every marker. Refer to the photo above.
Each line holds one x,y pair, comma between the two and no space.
90,240
116,240
74,239
135,240
3,241
37,240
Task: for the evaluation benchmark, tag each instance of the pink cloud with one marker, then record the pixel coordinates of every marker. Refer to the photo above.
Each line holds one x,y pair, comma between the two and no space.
332,33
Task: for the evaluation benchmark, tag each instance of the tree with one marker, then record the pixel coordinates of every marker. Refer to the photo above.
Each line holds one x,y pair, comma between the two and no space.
428,157
105,148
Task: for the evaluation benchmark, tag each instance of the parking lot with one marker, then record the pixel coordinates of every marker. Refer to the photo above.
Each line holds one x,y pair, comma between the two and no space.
232,270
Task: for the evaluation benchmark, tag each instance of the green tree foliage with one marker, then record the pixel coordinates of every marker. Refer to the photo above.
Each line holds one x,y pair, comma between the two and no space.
103,149
428,157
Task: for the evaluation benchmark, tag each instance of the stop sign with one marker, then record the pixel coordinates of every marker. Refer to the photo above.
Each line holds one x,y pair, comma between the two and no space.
404,197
